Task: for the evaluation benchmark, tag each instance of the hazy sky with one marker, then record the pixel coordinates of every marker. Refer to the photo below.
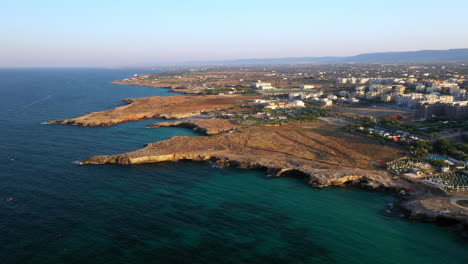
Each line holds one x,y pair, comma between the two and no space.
52,33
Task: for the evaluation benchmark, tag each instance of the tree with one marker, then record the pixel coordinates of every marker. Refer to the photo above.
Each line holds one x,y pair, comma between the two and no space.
420,149
419,153
438,163
443,146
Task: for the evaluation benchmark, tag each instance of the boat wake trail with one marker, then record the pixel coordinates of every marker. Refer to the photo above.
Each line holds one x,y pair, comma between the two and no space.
38,101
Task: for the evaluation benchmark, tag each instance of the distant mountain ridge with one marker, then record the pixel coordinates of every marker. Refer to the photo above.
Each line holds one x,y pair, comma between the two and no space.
451,55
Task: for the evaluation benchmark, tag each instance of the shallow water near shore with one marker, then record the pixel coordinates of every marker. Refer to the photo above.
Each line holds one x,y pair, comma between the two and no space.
175,212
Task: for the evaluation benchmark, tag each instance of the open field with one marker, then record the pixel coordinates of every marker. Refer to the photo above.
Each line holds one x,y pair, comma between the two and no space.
379,111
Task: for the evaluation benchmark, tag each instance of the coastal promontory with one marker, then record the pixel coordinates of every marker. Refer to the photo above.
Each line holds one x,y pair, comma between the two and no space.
170,107
319,151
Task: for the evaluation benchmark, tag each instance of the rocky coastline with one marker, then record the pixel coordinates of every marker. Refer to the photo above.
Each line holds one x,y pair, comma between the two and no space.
416,206
322,154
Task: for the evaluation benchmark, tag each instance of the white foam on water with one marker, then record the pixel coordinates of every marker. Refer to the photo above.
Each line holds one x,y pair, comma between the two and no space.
38,101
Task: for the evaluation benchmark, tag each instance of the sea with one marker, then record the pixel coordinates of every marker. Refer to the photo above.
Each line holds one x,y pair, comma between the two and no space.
53,210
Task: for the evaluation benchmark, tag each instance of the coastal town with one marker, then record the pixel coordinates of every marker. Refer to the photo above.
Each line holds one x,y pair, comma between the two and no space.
437,91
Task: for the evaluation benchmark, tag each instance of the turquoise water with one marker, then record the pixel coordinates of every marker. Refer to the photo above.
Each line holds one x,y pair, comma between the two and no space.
177,212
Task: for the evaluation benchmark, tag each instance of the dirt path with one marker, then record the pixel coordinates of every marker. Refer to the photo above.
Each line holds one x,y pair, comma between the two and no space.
455,199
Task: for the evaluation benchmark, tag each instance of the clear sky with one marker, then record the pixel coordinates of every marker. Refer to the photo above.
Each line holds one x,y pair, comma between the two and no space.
77,33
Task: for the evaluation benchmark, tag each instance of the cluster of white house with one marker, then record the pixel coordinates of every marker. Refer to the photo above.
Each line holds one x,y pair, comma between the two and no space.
294,99
314,97
285,104
452,88
452,85
407,79
396,93
297,100
427,93
267,86
374,91
353,80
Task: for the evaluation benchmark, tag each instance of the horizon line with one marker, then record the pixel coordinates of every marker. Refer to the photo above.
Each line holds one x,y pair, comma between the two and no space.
221,61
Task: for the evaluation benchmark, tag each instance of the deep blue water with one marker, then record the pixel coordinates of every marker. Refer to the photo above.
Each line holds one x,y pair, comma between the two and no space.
182,212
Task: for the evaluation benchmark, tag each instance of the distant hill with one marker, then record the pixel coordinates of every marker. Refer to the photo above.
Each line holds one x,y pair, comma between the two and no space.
451,55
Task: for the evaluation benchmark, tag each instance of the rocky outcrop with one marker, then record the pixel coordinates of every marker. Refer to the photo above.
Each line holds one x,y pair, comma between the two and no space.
169,107
436,210
205,126
326,154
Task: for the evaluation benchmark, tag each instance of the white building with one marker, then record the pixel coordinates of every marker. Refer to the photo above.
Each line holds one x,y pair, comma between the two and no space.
311,95
298,103
374,87
386,97
343,93
266,87
360,89
326,102
384,90
434,88
399,89
445,169
260,83
294,95
420,88
363,80
307,87
371,95
445,99
455,90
